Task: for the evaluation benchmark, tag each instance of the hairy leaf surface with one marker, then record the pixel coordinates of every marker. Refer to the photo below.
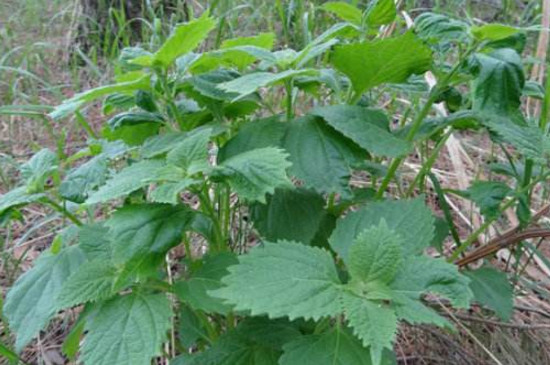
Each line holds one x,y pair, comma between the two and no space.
390,60
31,302
127,330
284,279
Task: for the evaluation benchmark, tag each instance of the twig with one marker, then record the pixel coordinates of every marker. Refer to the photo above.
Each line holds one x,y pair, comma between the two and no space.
503,324
509,237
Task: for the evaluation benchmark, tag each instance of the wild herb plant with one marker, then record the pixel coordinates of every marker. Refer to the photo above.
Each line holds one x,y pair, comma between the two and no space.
242,156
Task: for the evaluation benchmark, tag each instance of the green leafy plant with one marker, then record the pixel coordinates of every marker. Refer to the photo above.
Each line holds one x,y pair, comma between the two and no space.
198,145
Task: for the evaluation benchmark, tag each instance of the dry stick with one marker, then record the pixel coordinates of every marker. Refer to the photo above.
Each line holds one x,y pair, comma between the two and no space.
470,334
510,237
538,71
503,324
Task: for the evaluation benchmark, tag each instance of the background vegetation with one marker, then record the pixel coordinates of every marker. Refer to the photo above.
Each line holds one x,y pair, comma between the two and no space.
51,49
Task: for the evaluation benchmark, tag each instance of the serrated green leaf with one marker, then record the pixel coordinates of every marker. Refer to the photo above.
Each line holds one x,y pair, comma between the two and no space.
381,12
138,230
410,219
284,279
488,195
369,128
493,32
492,289
184,39
169,193
30,303
162,143
250,83
390,60
420,275
236,52
376,254
128,180
290,214
194,291
439,28
191,154
316,149
414,312
69,106
527,139
374,323
38,169
16,198
82,181
336,347
268,132
93,281
133,118
344,11
95,242
255,341
190,328
255,173
499,82
127,330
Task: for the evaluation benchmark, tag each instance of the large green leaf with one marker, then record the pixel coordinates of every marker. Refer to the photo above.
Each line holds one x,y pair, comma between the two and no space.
184,39
31,301
410,219
499,82
83,180
127,181
390,60
492,288
190,329
17,197
381,12
127,330
268,132
438,28
138,230
420,275
93,281
284,279
290,214
248,84
527,139
320,157
255,341
194,291
374,323
369,128
336,347
38,169
344,11
255,173
375,255
191,154
236,52
69,106
95,241
488,195
169,193
493,32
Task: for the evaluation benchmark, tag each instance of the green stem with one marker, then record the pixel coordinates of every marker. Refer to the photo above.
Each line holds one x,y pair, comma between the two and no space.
63,211
474,236
427,166
289,108
208,209
417,123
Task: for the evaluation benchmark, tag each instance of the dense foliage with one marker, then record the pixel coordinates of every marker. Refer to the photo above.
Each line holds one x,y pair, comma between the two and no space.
198,146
